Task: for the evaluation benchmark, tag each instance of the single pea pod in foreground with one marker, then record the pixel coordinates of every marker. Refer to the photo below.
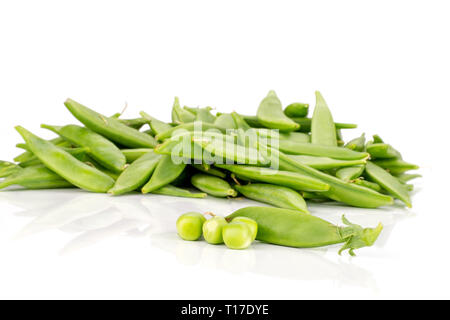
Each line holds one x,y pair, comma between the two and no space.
296,229
213,185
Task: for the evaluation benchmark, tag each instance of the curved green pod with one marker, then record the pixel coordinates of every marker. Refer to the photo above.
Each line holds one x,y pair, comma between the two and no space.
8,168
270,114
136,174
395,166
78,153
60,142
170,190
206,168
298,148
136,123
99,148
225,120
297,109
291,228
323,130
188,127
350,173
165,172
325,163
133,154
110,128
214,186
306,123
289,179
66,165
357,144
180,115
275,195
368,184
382,151
388,182
156,125
38,177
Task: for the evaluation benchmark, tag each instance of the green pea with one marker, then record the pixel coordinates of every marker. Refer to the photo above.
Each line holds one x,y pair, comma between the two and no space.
323,130
212,230
189,226
213,185
297,109
237,235
270,114
250,223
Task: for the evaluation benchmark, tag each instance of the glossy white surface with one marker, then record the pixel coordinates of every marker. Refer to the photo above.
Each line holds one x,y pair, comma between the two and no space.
384,66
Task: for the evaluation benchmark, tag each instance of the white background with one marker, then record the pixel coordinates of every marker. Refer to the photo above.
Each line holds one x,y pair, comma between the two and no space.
382,64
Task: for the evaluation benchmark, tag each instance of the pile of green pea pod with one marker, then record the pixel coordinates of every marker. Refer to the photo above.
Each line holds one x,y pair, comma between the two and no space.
108,154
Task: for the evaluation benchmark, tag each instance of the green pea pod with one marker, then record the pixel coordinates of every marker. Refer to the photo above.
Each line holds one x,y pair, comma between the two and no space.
350,173
405,177
133,154
213,185
382,151
325,163
377,139
60,142
291,136
300,230
323,130
270,114
395,166
306,124
278,196
110,128
388,182
357,144
188,127
180,115
297,109
225,120
339,137
38,177
99,148
66,165
165,172
206,168
317,150
292,180
252,121
173,191
368,184
202,114
339,190
78,153
136,123
8,168
136,174
156,125
314,196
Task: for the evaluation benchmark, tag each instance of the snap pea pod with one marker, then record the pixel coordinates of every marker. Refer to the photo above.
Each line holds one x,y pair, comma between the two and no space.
340,138
206,168
368,184
297,109
323,130
350,173
99,148
136,123
156,125
136,174
339,190
291,147
213,185
38,177
291,136
292,180
165,172
60,142
173,191
133,154
357,144
395,166
184,148
306,123
225,120
325,163
110,128
270,114
382,151
8,168
405,177
300,230
202,114
78,153
377,139
189,127
314,196
180,115
275,195
65,165
388,182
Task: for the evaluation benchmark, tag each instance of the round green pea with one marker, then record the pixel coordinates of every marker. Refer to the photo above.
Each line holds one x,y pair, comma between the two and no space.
212,230
237,235
252,224
189,226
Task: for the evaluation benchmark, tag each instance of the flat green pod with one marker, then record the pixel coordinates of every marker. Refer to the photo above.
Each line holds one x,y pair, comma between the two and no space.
156,125
350,173
309,149
180,115
323,130
270,114
325,163
170,190
38,177
357,144
214,186
165,172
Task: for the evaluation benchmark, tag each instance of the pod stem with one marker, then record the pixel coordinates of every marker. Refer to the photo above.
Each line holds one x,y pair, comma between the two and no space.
357,237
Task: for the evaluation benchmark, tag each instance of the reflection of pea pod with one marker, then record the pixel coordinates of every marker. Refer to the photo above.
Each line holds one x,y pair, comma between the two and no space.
278,196
296,229
133,154
292,180
270,114
395,166
213,185
180,115
157,126
382,151
67,166
325,163
297,109
35,178
137,174
99,148
170,190
388,182
323,130
165,172
357,144
310,149
350,173
110,128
